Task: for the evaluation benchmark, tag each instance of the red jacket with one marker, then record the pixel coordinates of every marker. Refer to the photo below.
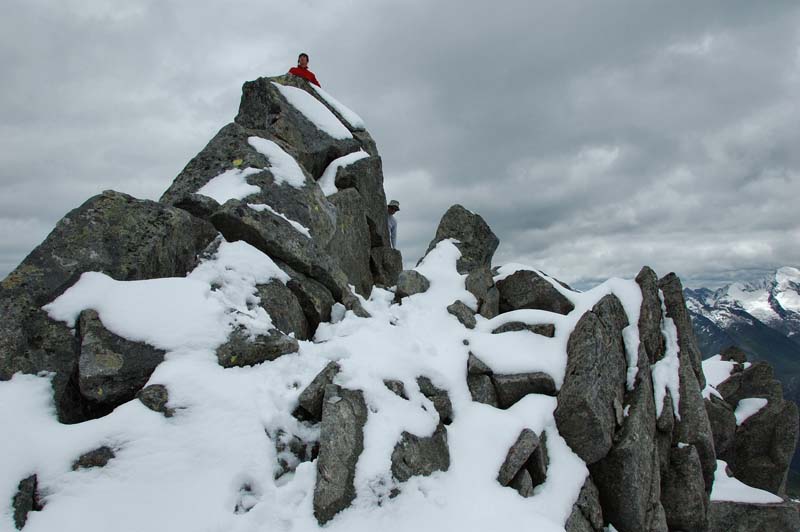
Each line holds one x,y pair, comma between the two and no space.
305,73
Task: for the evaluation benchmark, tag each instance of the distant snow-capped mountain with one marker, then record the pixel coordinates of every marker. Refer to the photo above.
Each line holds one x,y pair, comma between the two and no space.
742,308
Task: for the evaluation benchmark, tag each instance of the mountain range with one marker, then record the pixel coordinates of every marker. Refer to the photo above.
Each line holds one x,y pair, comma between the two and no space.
761,317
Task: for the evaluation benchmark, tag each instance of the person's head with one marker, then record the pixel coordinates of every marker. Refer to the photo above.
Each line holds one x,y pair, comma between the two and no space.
302,60
393,206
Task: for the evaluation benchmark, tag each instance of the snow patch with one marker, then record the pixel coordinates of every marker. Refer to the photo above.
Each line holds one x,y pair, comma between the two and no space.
727,488
666,372
328,180
282,165
315,111
748,407
350,117
229,185
716,372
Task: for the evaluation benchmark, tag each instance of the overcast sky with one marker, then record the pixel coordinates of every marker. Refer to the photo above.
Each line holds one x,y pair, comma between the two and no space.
594,137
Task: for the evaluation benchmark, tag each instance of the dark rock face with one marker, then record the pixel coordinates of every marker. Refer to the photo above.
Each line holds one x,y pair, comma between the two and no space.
587,515
310,400
284,308
734,354
263,107
315,300
155,397
518,455
351,240
683,492
481,284
439,398
628,477
763,447
671,286
740,517
411,282
650,316
240,350
344,414
527,289
723,424
111,369
414,455
512,388
544,329
386,264
366,176
96,458
594,383
482,390
113,233
476,241
463,314
26,500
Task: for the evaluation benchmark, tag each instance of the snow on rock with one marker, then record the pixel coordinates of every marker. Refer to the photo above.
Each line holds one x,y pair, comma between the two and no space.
315,111
666,372
727,488
300,228
716,371
230,184
327,181
351,117
282,165
748,407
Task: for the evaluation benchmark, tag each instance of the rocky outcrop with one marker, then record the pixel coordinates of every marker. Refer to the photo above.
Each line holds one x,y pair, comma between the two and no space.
527,289
284,308
463,314
242,350
26,500
123,237
591,397
740,517
481,284
525,465
311,398
155,397
96,458
411,282
587,515
474,238
414,455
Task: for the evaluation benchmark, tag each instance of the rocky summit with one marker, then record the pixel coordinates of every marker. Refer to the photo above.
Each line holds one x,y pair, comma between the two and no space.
249,354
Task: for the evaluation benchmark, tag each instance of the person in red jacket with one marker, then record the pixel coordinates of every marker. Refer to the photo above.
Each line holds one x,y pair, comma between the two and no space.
302,70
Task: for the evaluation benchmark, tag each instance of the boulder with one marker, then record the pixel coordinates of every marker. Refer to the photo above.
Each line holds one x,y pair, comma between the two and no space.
411,282
463,314
123,237
733,354
756,381
763,447
386,264
439,398
366,176
475,239
724,516
350,243
414,455
587,515
263,107
481,284
518,455
650,316
526,289
482,390
241,350
311,398
26,500
284,308
683,492
344,414
723,424
512,388
675,303
111,369
594,383
96,458
523,483
475,366
544,329
396,387
155,397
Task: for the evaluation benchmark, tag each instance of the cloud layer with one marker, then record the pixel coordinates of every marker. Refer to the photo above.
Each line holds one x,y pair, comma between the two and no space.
593,137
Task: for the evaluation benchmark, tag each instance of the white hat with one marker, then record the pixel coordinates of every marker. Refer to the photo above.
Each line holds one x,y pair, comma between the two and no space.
395,204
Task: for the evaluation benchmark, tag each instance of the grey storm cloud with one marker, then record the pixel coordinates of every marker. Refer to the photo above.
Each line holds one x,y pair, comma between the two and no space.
594,137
